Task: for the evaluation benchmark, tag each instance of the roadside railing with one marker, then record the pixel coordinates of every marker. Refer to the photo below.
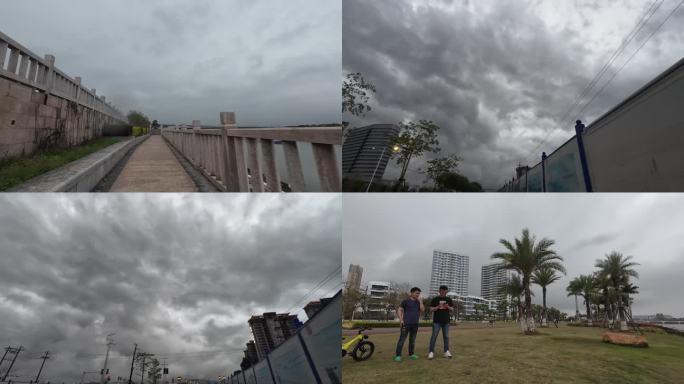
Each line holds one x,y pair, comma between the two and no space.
27,68
220,154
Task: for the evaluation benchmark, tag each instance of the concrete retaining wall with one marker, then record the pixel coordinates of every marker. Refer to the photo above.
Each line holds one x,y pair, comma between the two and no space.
42,107
31,120
83,174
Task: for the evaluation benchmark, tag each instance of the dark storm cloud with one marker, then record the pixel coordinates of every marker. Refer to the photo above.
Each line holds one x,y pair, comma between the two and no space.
273,63
498,76
174,273
392,238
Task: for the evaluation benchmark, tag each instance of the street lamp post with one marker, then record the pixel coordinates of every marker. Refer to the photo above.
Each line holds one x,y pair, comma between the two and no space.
395,149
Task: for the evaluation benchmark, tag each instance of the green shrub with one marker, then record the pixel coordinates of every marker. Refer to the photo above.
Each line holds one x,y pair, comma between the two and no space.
387,324
139,131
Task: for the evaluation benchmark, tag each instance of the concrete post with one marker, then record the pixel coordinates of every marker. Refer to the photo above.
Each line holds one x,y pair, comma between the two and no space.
270,169
229,177
326,165
34,71
195,142
49,74
13,61
24,66
237,169
3,53
294,166
254,166
217,157
78,88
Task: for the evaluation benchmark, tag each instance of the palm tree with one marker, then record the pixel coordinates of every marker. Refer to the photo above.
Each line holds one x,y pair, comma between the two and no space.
574,289
617,269
587,286
544,277
515,290
526,256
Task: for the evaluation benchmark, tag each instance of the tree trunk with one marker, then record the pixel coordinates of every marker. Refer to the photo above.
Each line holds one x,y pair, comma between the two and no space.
530,326
544,324
589,323
621,310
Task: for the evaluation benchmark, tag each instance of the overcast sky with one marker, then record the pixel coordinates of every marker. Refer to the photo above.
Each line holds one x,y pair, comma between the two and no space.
178,274
272,62
392,238
497,76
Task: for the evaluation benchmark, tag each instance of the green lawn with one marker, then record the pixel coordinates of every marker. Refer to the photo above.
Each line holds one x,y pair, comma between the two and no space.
503,355
17,170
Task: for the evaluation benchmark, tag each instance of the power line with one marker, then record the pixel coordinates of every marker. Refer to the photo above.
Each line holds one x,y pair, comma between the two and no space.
320,284
634,54
625,42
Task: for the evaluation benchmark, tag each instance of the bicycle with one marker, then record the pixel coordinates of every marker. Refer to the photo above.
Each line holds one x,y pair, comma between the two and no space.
361,348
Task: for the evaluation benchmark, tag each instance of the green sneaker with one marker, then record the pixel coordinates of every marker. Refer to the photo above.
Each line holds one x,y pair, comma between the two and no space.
397,359
414,357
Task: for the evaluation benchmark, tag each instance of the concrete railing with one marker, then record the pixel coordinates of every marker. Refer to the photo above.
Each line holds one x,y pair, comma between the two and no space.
24,66
220,154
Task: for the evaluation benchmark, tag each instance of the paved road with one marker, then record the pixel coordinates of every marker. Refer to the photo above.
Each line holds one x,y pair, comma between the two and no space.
153,168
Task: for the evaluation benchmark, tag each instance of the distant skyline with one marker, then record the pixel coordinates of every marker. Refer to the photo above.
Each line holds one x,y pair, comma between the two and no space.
499,76
273,63
393,238
178,274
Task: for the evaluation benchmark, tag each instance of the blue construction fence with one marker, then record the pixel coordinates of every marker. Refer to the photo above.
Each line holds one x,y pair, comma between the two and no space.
634,147
565,170
311,356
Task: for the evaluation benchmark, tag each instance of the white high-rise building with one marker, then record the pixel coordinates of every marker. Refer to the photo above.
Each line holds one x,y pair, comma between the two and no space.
449,269
492,279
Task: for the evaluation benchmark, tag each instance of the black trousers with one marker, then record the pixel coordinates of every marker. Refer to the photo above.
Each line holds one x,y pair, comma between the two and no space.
411,330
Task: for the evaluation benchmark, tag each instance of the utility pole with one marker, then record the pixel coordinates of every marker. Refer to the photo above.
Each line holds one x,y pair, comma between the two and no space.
110,342
45,356
16,354
3,356
130,377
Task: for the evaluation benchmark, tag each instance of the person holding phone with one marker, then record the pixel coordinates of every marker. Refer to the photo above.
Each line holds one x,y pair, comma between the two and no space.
409,312
441,307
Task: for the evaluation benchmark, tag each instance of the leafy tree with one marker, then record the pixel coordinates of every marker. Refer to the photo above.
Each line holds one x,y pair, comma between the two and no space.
356,92
352,300
525,256
440,166
413,140
544,277
502,308
154,371
454,182
138,119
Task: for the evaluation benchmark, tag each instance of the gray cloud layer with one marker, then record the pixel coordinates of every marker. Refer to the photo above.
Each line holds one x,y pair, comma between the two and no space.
393,237
271,62
177,274
498,76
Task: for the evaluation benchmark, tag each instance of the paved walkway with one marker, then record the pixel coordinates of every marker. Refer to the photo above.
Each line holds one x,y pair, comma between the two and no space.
153,168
